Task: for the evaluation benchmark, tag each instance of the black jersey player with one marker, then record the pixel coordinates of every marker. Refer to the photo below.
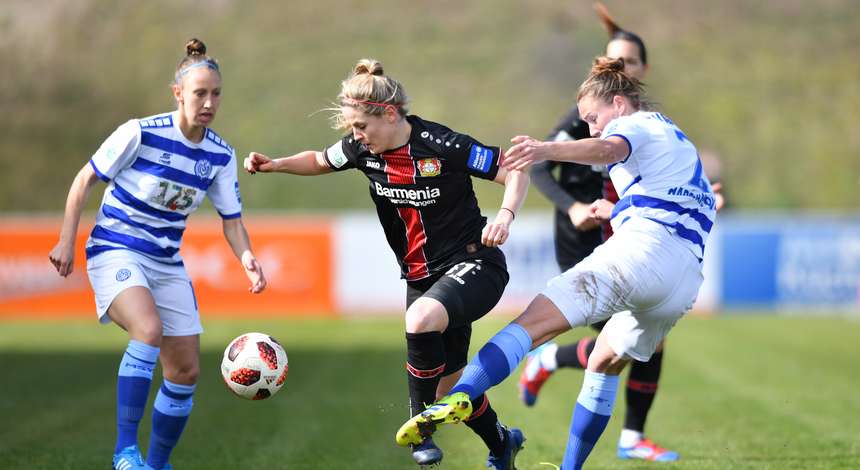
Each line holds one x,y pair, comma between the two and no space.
419,176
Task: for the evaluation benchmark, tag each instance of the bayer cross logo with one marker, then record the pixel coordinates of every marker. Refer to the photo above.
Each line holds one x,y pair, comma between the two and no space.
123,274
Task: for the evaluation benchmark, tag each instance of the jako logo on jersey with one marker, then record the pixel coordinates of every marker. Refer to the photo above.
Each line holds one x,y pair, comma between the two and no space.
164,159
123,274
410,194
202,168
480,159
373,164
429,167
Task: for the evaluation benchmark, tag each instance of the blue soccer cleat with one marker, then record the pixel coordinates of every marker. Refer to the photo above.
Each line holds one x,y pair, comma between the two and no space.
646,449
427,453
128,459
513,444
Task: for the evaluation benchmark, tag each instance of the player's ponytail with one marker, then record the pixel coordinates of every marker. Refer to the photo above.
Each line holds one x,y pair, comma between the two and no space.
369,90
195,56
607,79
617,32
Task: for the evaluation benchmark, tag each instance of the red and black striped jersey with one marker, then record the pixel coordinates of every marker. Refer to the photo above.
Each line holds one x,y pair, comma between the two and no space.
423,193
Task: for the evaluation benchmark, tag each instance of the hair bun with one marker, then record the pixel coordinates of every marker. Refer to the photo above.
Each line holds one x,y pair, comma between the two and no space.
605,64
368,67
195,46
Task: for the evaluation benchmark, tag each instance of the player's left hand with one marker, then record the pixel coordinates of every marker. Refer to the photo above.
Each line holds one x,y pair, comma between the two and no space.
525,152
719,199
601,210
254,272
496,233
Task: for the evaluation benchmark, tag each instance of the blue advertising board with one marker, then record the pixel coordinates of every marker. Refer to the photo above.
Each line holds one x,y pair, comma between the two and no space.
789,262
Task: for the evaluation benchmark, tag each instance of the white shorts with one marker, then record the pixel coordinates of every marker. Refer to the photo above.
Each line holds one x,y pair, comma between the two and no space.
644,277
111,272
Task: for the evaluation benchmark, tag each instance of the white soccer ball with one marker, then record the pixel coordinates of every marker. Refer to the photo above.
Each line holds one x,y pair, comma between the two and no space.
254,366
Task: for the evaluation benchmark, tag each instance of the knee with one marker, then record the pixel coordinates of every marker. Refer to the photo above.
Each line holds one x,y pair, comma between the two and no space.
422,317
148,330
606,363
185,374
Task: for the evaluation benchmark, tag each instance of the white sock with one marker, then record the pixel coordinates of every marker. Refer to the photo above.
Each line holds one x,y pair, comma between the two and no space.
547,357
629,438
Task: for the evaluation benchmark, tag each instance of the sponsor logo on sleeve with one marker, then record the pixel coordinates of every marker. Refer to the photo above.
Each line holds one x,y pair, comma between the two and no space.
238,195
336,156
610,129
108,153
480,158
429,167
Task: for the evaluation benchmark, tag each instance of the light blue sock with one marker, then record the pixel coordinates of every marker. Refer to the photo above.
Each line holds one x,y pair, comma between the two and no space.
495,361
172,406
592,412
132,390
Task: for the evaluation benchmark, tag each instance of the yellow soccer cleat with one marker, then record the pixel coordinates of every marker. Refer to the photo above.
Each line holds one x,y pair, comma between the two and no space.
451,409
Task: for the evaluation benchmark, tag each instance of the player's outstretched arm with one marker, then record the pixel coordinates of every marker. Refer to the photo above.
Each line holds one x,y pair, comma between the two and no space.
63,254
307,163
516,187
527,151
237,237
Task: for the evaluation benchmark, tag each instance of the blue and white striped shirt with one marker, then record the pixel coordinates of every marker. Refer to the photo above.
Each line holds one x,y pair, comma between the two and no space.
156,179
661,179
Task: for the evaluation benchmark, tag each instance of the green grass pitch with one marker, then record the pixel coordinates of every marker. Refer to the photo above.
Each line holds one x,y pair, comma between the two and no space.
753,392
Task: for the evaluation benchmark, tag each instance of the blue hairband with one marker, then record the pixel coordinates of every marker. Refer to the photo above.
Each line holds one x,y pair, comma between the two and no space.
206,63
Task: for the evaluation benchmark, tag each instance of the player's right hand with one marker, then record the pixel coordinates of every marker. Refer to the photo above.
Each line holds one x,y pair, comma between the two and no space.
63,258
258,162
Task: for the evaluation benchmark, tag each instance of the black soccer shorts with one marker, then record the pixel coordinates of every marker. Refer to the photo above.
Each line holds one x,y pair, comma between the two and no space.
468,290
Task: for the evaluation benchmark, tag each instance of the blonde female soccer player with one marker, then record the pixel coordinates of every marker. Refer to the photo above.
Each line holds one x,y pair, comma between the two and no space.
643,279
420,176
158,169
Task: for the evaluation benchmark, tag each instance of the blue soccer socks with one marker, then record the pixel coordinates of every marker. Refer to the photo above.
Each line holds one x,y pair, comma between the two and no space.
590,416
132,390
495,361
172,407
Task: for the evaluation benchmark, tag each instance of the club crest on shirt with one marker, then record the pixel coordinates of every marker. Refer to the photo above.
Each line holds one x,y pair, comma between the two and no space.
429,167
164,159
202,168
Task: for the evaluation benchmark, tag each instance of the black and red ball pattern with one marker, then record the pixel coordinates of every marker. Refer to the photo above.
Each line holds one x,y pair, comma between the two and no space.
283,376
245,376
237,347
268,354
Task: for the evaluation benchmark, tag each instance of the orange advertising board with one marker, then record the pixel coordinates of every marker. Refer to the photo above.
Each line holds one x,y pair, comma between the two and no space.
296,255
